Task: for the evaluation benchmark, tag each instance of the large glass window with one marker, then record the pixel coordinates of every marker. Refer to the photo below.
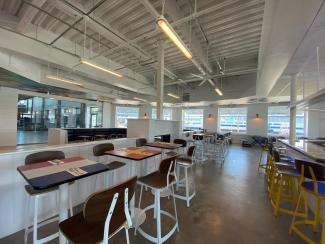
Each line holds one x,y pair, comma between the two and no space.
193,119
279,121
37,114
233,119
167,113
125,113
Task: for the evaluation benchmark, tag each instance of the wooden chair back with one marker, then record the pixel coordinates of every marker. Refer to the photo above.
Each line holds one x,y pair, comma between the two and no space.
181,141
97,205
100,149
43,156
140,142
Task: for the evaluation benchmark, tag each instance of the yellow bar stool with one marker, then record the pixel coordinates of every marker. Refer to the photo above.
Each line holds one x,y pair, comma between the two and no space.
311,184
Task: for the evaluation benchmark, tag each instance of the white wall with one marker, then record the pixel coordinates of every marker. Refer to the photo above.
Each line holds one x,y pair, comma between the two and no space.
257,126
210,124
107,115
316,121
8,116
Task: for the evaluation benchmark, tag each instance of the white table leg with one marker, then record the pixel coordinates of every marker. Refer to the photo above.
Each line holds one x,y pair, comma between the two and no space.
63,214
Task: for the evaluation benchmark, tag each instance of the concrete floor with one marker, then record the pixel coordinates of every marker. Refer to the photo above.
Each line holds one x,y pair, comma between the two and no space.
231,206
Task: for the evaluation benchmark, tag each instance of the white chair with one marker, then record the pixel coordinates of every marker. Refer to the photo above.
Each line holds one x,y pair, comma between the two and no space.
35,196
105,213
159,181
186,162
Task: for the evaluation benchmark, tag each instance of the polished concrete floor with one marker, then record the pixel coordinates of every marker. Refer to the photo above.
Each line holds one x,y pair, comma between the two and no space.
31,137
231,206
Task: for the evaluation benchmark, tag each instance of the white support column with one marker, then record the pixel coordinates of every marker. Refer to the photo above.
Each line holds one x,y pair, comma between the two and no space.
160,80
293,109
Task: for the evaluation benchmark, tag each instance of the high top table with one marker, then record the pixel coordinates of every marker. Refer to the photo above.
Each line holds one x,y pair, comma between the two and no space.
48,174
164,146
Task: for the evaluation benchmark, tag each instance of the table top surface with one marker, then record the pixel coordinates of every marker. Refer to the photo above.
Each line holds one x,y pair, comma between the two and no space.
48,174
133,153
308,148
164,145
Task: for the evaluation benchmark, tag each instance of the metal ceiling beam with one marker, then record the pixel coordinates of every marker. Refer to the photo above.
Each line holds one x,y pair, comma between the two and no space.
29,14
174,13
111,34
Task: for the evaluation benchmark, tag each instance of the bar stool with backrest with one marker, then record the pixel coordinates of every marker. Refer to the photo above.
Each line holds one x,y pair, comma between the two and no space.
37,194
158,181
311,184
104,214
186,162
175,153
284,182
99,151
140,142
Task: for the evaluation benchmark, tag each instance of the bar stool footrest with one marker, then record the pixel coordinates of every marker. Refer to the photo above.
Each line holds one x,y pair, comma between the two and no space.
153,238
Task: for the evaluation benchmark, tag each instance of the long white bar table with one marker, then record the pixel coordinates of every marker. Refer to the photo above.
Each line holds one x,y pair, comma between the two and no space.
13,196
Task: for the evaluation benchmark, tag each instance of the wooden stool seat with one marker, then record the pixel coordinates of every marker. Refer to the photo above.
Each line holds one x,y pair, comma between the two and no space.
78,230
156,180
171,154
104,210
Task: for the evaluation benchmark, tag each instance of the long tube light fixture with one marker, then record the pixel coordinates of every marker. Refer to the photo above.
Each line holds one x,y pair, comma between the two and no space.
140,99
170,32
63,80
219,91
96,66
173,95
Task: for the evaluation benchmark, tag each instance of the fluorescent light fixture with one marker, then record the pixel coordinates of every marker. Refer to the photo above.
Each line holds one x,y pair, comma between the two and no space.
96,66
140,99
173,95
218,91
169,31
63,80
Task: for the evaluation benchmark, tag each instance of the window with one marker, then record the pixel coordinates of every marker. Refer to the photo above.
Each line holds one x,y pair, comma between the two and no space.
167,113
279,121
125,113
233,120
193,119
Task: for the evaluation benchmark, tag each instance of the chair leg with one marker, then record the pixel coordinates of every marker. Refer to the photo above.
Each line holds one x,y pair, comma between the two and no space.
36,199
316,219
193,175
70,202
174,202
178,176
157,196
277,201
295,213
187,189
127,235
27,219
140,197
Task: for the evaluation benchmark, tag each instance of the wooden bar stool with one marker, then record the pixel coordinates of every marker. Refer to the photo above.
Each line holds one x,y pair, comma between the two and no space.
104,214
186,162
158,181
311,184
36,195
99,151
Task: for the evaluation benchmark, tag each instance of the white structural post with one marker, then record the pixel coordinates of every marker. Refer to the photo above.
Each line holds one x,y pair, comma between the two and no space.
293,109
160,79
